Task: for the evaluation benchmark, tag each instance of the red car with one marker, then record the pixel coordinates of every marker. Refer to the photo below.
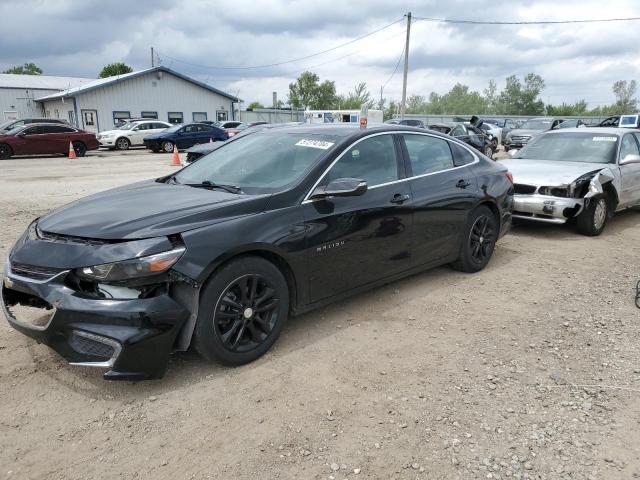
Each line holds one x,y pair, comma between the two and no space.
43,138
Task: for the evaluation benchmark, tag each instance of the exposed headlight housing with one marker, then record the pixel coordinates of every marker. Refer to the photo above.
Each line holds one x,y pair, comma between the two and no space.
554,191
133,268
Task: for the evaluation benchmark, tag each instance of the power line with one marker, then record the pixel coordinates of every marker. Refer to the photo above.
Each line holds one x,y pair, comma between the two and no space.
395,69
534,22
276,64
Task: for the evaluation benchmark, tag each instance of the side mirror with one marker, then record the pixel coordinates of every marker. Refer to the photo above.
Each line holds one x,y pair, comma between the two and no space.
512,152
630,158
341,187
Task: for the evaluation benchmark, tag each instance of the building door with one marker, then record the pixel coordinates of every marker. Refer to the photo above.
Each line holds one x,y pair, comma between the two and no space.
90,120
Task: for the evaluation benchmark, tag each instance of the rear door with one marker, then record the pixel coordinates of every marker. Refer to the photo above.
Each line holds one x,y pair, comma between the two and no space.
353,241
630,174
139,132
444,190
57,138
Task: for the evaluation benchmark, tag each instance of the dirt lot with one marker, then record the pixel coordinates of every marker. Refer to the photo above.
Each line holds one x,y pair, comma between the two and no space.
529,369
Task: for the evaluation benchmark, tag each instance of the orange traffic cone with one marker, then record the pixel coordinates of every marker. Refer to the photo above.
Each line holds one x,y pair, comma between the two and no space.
72,152
175,158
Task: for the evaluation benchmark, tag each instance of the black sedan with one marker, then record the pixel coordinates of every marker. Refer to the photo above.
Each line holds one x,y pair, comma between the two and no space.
220,253
471,135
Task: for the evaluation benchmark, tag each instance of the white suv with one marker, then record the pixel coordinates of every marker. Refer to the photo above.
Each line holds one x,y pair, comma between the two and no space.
130,134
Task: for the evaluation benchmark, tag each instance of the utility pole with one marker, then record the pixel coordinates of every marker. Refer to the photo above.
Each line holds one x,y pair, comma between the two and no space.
152,58
406,68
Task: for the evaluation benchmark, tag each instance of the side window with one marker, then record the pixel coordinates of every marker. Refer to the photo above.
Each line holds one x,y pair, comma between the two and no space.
461,156
629,146
206,128
458,131
54,129
190,129
33,131
428,154
372,160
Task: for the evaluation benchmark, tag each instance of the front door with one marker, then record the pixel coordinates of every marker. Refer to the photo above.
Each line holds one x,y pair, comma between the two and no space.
90,120
353,241
31,141
630,174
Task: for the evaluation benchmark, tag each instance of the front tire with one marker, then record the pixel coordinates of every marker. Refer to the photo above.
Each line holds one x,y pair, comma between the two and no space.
242,310
123,143
594,216
488,151
478,241
167,147
80,149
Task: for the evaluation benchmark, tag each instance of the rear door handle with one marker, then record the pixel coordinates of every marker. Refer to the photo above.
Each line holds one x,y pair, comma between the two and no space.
399,198
462,184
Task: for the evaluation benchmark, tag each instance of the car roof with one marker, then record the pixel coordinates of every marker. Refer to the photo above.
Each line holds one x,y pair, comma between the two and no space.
350,129
47,124
592,130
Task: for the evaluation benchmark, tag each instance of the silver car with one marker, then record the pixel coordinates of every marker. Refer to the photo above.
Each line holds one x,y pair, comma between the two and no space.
585,174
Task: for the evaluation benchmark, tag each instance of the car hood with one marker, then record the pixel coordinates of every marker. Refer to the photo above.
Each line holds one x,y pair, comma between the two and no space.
523,131
114,132
549,172
148,209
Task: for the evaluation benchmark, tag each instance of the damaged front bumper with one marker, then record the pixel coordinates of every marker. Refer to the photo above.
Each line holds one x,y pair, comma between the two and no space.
131,338
545,208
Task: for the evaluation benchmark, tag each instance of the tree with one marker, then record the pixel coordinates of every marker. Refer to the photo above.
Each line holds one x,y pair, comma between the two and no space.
516,99
491,97
356,99
568,109
254,105
416,104
26,69
625,93
114,69
307,92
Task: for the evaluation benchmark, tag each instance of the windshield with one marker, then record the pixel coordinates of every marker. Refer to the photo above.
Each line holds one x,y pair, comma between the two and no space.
534,124
6,125
173,129
14,130
259,163
126,126
572,147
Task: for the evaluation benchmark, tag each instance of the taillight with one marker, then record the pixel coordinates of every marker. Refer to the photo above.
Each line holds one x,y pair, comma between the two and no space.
509,175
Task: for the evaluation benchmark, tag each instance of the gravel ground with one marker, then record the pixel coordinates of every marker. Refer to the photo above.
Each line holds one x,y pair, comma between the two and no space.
529,369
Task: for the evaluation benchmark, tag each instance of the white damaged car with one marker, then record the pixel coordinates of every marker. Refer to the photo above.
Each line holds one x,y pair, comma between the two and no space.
130,134
585,174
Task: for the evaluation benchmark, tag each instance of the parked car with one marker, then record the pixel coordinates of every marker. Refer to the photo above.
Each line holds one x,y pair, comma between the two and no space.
130,134
11,124
571,123
45,138
473,136
198,151
242,127
494,132
577,174
272,224
409,122
518,137
184,136
624,121
228,124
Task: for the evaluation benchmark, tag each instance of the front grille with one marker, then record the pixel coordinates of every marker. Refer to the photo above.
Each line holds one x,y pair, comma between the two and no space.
524,189
61,238
87,344
34,272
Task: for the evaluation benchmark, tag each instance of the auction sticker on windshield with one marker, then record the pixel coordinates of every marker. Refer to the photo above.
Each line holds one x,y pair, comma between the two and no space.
604,139
322,144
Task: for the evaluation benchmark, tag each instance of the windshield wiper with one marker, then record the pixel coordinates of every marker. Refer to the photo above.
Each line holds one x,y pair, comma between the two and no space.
211,185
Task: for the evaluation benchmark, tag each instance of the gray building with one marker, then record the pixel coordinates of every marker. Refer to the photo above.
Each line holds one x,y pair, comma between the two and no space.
18,93
157,92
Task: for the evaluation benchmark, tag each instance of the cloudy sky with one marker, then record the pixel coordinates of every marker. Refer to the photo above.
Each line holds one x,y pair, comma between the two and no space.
198,37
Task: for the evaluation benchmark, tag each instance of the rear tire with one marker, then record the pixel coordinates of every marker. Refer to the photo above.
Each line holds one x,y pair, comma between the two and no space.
594,216
80,149
167,147
478,241
5,151
242,310
123,143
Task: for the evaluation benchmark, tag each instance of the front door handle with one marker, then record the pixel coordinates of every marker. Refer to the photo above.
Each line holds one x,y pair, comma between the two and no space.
399,198
462,184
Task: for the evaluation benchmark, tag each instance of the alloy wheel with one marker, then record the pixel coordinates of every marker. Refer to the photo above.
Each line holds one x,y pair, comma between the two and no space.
246,313
481,239
167,147
600,214
122,144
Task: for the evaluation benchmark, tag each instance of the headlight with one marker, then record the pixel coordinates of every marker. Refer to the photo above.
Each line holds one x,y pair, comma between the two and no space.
133,268
554,191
